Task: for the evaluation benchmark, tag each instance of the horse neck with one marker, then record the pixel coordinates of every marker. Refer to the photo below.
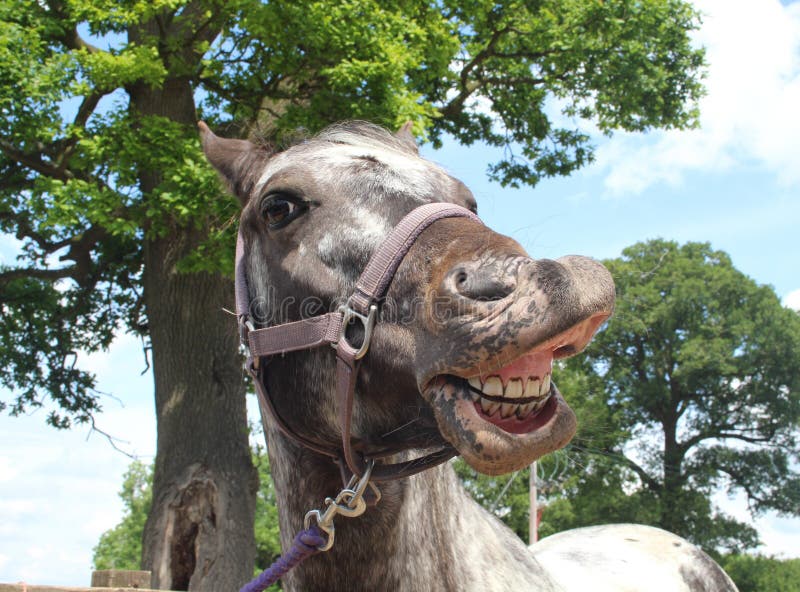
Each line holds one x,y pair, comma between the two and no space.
426,533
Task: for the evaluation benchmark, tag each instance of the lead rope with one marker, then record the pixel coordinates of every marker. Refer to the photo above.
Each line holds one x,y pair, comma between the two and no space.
306,543
312,539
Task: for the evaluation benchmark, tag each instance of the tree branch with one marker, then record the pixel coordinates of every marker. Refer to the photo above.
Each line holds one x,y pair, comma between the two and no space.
70,38
35,162
721,434
651,483
47,168
24,229
50,275
645,477
79,251
86,109
456,104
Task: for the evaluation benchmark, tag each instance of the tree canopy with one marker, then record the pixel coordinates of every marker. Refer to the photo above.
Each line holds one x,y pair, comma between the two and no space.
758,573
121,222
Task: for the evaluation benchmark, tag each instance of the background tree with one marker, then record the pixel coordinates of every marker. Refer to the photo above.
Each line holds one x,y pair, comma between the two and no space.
698,369
761,574
124,227
121,547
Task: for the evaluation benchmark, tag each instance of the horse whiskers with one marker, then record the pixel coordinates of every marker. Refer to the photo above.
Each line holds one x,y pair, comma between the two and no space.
397,429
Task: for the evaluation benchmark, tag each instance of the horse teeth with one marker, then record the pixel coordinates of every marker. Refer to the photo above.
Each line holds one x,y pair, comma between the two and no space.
514,388
493,387
507,410
544,388
489,407
524,410
532,388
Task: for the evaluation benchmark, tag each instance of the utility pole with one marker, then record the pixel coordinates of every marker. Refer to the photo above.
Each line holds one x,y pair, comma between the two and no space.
533,522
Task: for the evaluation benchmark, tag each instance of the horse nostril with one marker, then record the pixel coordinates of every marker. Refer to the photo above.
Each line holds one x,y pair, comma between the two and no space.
482,283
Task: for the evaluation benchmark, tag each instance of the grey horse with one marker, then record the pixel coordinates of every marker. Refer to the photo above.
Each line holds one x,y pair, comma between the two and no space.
461,356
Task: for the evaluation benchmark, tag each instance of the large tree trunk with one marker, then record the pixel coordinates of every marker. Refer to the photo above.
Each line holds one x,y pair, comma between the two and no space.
672,515
199,533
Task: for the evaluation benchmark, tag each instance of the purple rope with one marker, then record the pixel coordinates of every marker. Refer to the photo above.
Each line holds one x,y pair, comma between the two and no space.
306,544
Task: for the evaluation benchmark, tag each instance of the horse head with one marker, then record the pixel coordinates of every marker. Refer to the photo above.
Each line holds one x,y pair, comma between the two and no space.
462,350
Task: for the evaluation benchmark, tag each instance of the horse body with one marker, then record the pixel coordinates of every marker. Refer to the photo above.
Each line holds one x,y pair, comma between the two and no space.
460,356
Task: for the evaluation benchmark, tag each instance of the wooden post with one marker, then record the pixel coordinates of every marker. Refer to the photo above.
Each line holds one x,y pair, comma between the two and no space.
23,587
533,516
117,578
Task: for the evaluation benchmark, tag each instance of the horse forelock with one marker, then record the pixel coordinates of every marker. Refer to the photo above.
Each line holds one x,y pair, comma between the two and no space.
361,133
370,160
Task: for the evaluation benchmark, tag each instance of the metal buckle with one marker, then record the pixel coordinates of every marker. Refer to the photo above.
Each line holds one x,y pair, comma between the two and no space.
368,321
245,326
349,503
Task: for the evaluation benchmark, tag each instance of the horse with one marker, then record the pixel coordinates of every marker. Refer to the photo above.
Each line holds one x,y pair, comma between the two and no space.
453,357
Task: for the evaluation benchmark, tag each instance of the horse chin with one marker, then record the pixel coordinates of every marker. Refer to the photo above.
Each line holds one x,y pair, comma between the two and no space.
491,444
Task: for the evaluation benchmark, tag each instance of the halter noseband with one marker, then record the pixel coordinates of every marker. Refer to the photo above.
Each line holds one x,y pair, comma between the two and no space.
330,328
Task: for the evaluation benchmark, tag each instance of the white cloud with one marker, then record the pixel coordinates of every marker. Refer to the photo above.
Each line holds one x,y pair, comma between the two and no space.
792,300
7,470
749,116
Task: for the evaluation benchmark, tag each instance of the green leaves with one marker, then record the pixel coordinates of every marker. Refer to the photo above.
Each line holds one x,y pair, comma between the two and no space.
111,70
306,64
759,573
121,546
620,64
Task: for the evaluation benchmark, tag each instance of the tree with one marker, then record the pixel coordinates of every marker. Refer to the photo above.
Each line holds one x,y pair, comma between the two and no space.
698,367
268,541
121,547
756,573
124,227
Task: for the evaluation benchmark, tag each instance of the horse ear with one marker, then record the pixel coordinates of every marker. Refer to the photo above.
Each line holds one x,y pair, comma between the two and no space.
404,134
238,162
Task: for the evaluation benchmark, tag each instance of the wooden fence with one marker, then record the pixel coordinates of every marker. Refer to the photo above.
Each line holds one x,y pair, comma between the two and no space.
109,580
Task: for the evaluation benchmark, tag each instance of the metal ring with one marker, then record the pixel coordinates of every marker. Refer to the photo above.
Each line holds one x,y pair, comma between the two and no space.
368,322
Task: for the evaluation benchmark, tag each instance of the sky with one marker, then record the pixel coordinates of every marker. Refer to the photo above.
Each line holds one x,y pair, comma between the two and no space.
734,182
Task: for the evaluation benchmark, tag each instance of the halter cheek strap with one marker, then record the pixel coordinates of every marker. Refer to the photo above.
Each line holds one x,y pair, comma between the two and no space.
330,328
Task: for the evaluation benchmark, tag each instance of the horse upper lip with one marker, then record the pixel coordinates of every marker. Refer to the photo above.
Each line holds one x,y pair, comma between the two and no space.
563,344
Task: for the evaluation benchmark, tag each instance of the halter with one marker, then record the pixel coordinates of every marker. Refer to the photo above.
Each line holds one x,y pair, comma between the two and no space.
330,328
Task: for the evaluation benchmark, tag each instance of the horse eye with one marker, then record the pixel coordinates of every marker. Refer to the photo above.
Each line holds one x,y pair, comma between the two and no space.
279,210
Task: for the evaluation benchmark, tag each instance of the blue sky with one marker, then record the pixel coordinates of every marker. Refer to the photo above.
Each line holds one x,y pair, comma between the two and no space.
735,182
